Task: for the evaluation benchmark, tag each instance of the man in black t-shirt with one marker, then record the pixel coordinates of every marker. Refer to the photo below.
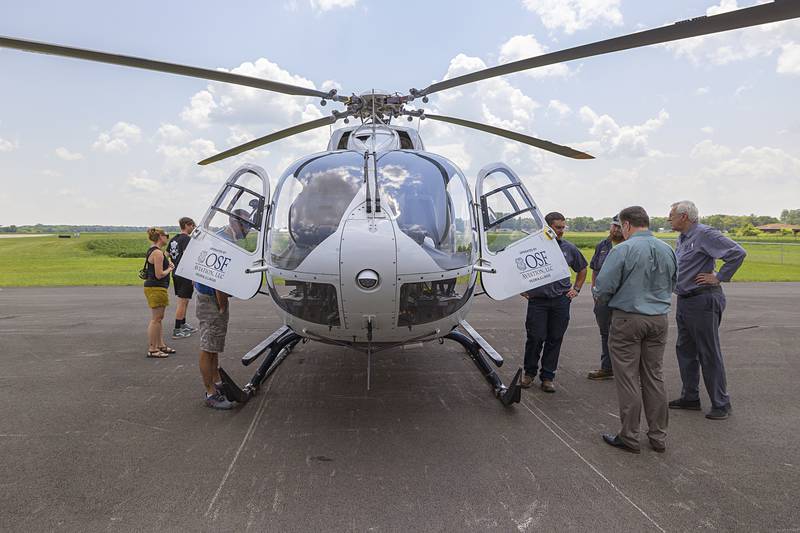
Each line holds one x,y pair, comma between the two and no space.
183,287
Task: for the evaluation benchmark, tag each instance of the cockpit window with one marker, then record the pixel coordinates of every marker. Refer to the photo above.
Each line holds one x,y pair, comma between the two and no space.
236,215
310,201
429,199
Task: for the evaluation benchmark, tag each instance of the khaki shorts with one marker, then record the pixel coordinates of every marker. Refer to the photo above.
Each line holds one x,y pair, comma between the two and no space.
213,324
156,297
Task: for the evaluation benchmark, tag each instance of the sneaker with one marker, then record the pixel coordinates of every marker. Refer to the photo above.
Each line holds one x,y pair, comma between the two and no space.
601,374
218,401
180,333
526,381
189,328
547,385
719,413
681,403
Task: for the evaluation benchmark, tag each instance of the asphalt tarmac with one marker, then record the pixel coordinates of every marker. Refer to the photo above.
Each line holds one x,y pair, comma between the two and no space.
96,437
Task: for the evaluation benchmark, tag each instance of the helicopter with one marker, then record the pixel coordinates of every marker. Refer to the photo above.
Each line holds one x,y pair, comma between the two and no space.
376,243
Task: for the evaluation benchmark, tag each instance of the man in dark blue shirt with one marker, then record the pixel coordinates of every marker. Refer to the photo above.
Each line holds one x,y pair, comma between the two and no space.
548,312
602,312
701,303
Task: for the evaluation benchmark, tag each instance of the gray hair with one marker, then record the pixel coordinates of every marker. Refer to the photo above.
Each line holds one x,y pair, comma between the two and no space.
686,207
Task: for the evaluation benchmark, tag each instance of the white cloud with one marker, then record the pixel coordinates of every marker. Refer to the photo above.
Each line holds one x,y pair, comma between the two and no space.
172,133
141,182
327,5
738,45
789,60
609,138
50,173
66,155
327,85
706,149
118,138
525,46
7,146
708,130
573,15
702,91
559,107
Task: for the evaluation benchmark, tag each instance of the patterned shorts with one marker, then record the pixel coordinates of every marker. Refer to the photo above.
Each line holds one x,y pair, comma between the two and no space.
213,324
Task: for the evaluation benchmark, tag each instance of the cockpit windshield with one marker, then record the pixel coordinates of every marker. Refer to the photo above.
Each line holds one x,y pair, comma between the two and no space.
429,198
310,201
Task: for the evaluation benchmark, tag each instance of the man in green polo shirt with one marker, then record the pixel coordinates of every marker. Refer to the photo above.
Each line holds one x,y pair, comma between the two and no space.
636,281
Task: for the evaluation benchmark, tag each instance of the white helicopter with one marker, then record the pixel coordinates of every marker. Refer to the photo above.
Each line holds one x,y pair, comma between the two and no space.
376,243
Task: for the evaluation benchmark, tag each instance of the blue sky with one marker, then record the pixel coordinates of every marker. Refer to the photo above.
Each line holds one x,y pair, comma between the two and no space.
713,119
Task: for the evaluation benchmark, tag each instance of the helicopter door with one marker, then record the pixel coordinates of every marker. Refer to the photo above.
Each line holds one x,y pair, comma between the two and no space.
230,238
519,251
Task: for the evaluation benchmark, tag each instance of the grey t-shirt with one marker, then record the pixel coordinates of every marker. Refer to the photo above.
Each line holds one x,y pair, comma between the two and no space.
576,262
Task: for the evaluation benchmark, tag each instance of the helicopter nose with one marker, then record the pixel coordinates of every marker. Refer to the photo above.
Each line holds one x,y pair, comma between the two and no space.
368,274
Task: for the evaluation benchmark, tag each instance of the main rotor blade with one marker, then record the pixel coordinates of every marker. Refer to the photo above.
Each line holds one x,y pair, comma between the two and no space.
514,136
159,66
741,18
272,137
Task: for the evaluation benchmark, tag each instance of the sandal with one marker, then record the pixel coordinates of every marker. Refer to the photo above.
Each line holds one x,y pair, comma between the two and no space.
166,349
157,354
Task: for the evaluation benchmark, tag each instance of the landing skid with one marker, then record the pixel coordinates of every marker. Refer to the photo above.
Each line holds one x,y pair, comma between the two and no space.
278,346
475,345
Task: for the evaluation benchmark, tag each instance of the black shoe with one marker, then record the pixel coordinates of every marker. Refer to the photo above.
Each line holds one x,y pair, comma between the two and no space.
615,441
681,403
657,446
719,413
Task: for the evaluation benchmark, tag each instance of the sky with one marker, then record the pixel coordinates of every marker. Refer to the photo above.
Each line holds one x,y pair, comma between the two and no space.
713,119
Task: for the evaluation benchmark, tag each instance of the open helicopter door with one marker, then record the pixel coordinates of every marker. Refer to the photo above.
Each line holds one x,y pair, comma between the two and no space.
230,239
519,251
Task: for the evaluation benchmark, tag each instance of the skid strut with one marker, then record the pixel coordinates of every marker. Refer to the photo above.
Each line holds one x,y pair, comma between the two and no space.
506,395
277,349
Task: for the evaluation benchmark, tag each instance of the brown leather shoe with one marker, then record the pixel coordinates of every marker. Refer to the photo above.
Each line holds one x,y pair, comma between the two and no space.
547,385
601,374
526,381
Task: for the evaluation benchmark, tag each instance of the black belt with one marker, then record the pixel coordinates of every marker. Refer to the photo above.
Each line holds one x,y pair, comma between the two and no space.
701,290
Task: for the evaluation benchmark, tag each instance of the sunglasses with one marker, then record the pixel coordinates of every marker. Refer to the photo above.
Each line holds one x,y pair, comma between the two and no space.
165,235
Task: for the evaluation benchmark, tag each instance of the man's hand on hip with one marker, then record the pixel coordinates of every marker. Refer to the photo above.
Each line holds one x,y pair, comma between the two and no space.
706,278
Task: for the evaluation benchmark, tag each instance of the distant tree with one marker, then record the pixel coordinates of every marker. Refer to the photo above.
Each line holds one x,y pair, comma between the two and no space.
747,230
790,216
581,224
762,220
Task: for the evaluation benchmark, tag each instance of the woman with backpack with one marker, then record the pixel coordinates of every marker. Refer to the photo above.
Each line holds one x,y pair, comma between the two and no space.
156,282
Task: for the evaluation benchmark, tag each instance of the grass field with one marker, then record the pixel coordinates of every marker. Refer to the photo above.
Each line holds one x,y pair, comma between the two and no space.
115,259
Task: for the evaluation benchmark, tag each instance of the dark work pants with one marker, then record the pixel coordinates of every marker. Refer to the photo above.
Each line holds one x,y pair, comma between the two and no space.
602,315
698,347
545,324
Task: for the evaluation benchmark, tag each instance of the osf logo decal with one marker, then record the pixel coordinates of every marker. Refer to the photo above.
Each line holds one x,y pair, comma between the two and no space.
534,265
212,264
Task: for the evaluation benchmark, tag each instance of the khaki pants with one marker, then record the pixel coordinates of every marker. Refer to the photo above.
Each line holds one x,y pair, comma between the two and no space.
636,343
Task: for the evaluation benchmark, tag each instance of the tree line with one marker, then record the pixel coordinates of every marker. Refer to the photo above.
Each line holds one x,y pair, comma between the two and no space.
744,224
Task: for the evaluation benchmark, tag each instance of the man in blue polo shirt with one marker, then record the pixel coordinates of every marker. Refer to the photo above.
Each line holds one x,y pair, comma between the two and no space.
548,312
602,312
213,315
701,303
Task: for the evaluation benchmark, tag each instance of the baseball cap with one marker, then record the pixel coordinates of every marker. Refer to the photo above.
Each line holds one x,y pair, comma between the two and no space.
615,220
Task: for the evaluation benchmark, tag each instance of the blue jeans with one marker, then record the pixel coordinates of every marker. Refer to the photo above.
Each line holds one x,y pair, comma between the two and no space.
545,324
